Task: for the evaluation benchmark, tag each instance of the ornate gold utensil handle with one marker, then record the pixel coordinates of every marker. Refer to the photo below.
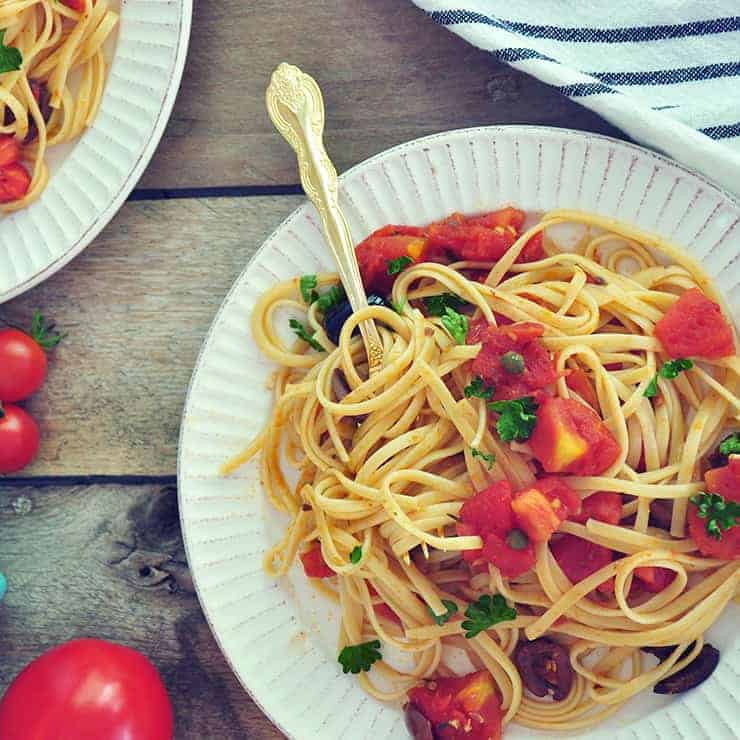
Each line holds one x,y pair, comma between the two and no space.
296,107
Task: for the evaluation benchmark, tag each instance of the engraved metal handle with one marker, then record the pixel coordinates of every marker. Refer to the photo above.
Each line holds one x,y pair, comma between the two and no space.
296,107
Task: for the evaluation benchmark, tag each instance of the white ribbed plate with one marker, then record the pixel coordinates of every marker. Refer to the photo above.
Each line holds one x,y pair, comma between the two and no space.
279,637
91,177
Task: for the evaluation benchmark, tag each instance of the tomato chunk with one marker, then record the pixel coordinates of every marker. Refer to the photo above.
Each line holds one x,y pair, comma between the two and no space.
602,505
726,482
10,149
78,5
14,182
375,254
578,380
653,578
533,250
579,558
486,512
504,217
522,339
460,708
694,326
539,510
314,565
512,562
382,609
571,438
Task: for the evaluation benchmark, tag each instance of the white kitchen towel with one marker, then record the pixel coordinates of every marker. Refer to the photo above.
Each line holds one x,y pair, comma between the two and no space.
665,72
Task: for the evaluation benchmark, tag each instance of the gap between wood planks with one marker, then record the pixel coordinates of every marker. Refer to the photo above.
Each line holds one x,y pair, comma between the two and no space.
231,191
42,481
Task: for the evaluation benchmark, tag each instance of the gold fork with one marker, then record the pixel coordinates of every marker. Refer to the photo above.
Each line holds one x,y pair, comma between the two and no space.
296,107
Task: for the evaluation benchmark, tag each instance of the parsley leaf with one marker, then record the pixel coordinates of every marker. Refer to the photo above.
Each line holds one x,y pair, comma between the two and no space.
399,264
486,612
437,304
308,288
328,300
356,555
479,389
456,324
720,513
652,388
669,371
489,458
10,58
356,658
441,619
517,418
398,307
730,445
303,334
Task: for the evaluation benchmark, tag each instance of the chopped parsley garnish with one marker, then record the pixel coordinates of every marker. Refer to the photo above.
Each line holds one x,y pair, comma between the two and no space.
489,458
356,658
517,418
456,324
399,264
730,445
486,612
479,389
398,307
11,58
356,555
303,334
436,305
441,619
308,288
328,300
720,513
670,370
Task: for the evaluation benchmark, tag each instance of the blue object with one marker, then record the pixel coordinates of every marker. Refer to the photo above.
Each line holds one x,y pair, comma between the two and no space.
3,585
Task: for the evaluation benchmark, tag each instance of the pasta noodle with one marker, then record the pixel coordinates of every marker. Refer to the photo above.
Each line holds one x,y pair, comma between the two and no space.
56,92
386,469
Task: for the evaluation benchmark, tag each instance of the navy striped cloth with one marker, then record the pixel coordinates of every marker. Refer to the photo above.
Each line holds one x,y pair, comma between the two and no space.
664,72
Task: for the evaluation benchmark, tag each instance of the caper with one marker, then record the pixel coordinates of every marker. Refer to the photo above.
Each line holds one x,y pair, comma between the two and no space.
517,540
513,363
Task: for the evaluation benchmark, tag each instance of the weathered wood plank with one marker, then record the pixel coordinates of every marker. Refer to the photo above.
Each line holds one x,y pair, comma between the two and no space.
136,307
388,73
107,561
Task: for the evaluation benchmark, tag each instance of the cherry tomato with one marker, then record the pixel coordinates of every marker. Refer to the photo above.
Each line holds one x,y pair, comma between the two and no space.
19,441
24,365
87,690
10,149
14,182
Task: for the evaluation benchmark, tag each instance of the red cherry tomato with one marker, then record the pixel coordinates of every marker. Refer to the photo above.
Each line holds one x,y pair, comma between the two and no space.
19,442
24,365
10,149
87,690
14,182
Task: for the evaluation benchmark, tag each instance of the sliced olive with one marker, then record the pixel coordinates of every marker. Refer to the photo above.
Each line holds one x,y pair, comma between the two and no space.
661,513
545,668
696,672
339,385
513,363
418,725
339,313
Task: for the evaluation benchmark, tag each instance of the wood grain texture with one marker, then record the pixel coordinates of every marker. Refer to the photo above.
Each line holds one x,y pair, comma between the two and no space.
107,561
136,307
388,73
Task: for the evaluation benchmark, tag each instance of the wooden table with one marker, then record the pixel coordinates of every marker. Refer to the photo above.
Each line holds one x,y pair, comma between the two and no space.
89,535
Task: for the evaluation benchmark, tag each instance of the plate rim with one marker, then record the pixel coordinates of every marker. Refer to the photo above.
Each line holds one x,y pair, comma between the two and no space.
207,340
132,178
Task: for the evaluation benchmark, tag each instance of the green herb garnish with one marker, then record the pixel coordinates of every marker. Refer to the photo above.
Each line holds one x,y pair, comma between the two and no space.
328,300
730,445
356,555
517,418
441,619
486,612
436,305
398,307
308,288
479,389
652,388
489,458
356,658
670,370
720,513
303,334
456,324
399,264
11,58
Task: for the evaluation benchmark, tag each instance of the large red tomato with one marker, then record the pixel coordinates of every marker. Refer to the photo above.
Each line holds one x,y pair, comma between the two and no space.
87,690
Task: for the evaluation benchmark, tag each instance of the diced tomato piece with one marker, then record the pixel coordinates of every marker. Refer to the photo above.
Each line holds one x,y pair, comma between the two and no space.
382,609
571,438
522,338
78,5
470,241
539,510
654,579
578,380
556,489
14,182
399,230
694,326
579,558
533,250
10,149
602,505
726,482
510,561
488,511
461,708
504,218
314,565
376,252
